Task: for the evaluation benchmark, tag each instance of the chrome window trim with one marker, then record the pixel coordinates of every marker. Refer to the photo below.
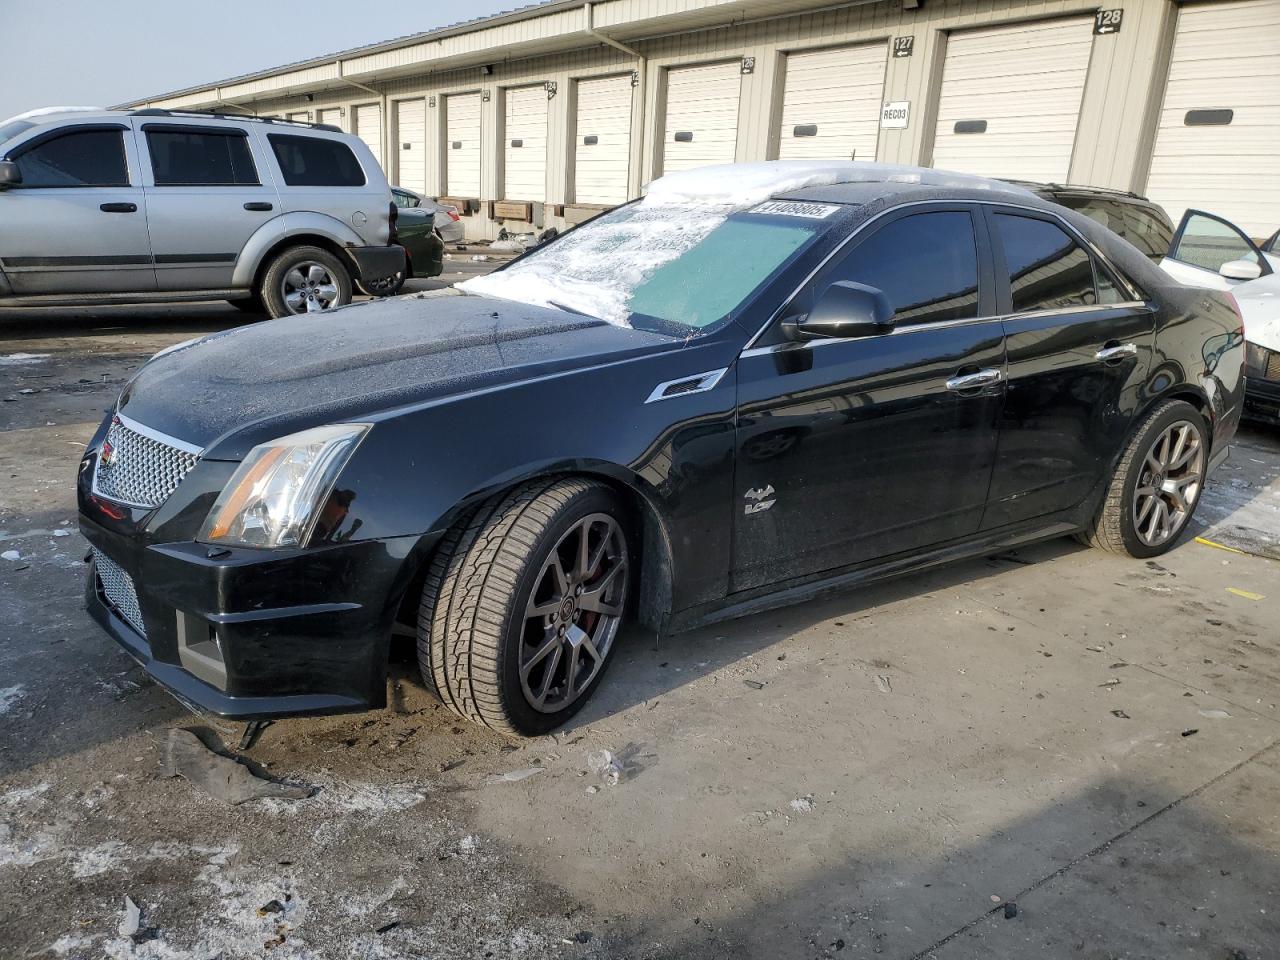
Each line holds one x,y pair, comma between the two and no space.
704,382
159,437
751,350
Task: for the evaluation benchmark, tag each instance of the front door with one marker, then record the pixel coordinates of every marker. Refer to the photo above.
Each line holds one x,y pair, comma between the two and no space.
850,450
77,222
1079,345
206,196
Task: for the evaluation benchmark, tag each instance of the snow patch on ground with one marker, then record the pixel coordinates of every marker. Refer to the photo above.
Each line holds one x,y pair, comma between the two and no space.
15,358
338,797
9,697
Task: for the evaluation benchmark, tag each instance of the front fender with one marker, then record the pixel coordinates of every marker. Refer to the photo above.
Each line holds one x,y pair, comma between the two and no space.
420,468
282,227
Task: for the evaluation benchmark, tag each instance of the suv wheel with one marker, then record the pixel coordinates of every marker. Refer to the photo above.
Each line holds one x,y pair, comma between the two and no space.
522,605
305,280
1157,484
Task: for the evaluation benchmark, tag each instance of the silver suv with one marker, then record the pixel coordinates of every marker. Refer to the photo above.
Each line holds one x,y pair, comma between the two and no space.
154,205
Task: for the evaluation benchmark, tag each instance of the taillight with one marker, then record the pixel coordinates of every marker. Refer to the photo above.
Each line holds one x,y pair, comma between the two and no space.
453,215
392,233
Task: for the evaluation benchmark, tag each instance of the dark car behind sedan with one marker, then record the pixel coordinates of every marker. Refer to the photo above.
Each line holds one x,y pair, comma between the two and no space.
822,374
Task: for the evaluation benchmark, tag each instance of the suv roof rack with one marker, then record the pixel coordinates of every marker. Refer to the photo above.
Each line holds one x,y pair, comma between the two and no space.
160,112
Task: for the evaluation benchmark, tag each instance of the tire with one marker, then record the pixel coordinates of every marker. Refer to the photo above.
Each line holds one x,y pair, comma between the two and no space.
387,287
1130,520
489,655
326,282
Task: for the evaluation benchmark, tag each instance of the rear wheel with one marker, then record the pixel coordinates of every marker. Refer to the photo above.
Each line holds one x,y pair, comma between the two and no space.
1157,484
522,605
305,280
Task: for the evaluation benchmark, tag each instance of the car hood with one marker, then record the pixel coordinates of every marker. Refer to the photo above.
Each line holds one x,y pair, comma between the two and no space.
226,392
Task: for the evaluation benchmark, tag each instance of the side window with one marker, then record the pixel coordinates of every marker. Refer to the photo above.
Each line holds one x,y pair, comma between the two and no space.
185,158
89,158
313,162
1142,227
1048,270
926,264
1208,242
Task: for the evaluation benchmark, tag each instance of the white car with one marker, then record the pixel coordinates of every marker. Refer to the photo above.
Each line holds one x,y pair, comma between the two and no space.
1208,251
448,223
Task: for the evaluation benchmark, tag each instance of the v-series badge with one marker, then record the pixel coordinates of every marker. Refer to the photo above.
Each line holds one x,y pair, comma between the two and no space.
795,208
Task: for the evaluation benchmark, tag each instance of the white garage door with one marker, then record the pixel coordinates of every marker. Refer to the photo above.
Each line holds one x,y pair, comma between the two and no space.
1011,99
411,130
702,116
525,149
1219,136
369,127
462,153
831,104
602,148
331,116
301,116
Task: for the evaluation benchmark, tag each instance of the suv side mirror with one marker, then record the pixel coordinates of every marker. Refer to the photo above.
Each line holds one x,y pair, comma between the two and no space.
844,310
1240,270
10,175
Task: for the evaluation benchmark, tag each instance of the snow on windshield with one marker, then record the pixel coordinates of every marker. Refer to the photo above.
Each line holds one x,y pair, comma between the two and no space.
596,269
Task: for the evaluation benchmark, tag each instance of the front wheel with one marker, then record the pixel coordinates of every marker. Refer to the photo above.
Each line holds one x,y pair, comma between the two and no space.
522,605
305,280
1157,484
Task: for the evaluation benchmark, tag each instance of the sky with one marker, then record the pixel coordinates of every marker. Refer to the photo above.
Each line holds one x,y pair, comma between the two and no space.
104,52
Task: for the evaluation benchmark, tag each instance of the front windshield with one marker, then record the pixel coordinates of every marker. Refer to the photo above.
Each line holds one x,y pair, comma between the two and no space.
12,128
678,269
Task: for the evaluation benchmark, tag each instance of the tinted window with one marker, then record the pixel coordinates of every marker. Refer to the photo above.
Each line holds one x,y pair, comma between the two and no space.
1143,227
927,265
312,162
91,158
1047,269
183,158
1208,242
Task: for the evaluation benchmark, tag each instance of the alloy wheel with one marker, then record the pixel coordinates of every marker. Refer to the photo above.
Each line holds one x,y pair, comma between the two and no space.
308,288
1169,483
573,613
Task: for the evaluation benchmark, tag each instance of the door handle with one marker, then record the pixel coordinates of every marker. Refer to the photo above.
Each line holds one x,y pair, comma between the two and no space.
974,381
118,207
1116,351
257,205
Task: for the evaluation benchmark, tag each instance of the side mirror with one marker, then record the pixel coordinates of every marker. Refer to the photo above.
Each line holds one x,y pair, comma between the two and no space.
844,310
10,175
1240,270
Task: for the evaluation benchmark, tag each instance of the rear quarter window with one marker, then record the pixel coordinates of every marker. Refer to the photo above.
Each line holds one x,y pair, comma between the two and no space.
315,162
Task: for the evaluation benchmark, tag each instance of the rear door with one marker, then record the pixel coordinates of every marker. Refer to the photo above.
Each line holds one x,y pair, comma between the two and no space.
1079,344
77,222
208,191
849,450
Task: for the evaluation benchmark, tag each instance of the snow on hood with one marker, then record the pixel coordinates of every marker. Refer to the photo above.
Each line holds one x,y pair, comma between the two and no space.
740,185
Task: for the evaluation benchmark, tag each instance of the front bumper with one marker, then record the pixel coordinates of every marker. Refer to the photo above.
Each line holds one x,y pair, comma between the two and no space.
1262,400
257,634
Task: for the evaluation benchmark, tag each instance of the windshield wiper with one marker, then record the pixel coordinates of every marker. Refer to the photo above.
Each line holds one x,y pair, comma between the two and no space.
568,309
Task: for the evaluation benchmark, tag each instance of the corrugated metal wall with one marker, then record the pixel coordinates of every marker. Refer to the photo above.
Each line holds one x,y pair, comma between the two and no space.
1113,139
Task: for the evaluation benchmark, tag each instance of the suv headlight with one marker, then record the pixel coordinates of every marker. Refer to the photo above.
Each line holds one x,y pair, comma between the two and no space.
1255,359
275,497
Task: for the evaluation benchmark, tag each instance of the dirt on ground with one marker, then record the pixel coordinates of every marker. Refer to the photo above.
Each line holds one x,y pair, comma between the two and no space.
1053,752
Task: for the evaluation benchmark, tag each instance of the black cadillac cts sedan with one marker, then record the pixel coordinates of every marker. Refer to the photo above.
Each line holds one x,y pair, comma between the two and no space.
758,382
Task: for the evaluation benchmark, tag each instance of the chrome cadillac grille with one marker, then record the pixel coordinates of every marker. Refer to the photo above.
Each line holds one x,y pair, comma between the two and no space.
140,467
117,587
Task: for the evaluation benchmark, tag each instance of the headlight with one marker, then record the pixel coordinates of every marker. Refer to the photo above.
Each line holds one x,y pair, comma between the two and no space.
275,497
1255,359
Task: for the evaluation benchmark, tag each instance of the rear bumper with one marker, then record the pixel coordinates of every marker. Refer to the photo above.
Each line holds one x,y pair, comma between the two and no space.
377,263
1262,400
257,634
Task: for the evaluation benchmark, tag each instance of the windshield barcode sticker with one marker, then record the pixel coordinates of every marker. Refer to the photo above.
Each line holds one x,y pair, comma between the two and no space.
796,208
